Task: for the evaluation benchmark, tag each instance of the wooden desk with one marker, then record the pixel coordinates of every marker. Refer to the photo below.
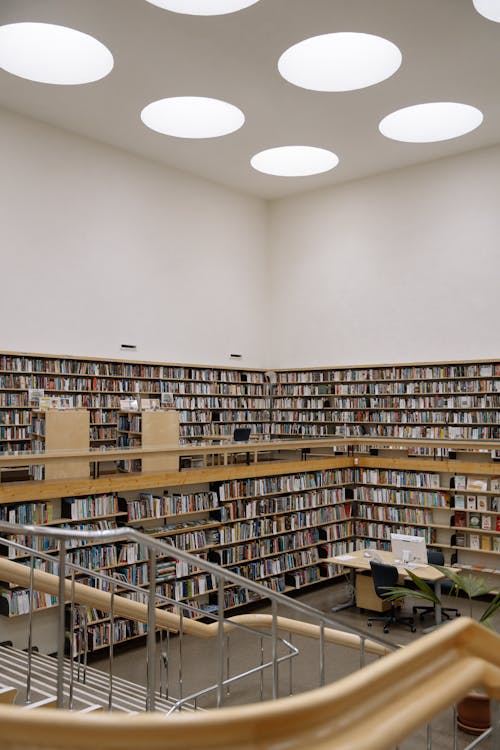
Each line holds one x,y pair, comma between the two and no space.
357,561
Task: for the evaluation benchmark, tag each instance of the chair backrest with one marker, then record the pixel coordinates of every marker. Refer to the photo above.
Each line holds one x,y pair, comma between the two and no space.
435,557
383,575
241,434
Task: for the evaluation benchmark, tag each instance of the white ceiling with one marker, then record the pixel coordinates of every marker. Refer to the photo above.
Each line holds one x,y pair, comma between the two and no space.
450,53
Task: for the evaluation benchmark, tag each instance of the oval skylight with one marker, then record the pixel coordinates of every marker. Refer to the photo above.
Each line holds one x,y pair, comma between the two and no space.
203,7
46,53
490,9
342,61
192,117
434,121
294,161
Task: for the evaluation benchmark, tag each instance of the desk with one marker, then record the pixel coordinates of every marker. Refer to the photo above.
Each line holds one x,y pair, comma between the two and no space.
357,561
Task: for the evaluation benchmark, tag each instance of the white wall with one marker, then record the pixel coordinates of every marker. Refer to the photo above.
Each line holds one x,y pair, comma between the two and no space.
400,267
100,248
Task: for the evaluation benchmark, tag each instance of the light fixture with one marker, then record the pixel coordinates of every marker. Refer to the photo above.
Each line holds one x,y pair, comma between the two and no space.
433,121
46,53
343,61
294,161
192,117
490,9
203,7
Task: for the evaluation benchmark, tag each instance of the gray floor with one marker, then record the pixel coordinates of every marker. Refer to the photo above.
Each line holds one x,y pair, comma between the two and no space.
200,663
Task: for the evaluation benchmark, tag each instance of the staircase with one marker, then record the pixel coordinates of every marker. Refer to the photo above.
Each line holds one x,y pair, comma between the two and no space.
90,690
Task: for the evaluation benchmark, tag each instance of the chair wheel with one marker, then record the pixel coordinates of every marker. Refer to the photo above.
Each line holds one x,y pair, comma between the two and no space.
458,614
386,630
369,624
413,629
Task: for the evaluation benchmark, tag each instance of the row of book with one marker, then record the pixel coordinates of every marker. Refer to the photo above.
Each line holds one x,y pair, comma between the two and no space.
283,503
248,531
425,498
285,483
490,401
291,521
27,513
485,521
474,541
396,372
392,416
391,388
87,507
18,602
383,531
394,515
219,402
256,569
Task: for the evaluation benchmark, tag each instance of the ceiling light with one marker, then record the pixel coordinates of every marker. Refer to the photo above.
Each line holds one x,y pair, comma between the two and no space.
294,161
435,121
343,61
203,7
47,53
490,9
192,117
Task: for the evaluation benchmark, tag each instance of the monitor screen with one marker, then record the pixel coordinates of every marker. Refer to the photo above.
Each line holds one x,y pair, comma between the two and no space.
407,548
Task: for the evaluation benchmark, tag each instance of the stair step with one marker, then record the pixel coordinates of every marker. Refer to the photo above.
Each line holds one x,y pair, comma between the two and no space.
128,697
50,702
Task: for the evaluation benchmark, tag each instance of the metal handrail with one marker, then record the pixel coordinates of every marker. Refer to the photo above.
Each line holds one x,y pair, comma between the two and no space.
164,548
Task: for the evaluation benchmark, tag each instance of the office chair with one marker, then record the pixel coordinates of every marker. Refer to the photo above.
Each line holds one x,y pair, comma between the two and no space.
384,576
241,435
434,557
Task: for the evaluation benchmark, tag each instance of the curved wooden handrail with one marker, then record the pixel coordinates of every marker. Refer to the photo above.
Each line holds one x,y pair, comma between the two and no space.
374,708
91,597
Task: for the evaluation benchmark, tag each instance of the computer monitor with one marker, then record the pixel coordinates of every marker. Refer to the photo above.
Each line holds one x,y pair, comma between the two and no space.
407,548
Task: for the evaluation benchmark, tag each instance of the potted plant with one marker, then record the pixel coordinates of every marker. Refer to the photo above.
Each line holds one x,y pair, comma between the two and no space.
473,711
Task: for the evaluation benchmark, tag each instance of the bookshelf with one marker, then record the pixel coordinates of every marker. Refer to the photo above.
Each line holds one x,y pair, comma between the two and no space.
56,430
431,400
277,524
210,400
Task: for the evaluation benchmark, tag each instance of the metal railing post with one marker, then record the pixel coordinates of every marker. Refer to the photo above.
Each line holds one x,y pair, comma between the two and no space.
111,644
220,641
151,637
30,633
181,637
274,611
290,668
61,625
321,653
71,636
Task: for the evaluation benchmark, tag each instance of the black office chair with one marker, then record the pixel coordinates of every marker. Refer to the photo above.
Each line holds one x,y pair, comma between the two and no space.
434,557
242,435
384,576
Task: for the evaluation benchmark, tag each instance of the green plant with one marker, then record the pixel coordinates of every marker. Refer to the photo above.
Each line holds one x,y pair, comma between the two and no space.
466,583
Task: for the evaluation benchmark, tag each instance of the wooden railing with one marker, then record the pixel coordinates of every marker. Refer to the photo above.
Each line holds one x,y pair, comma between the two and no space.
89,596
373,709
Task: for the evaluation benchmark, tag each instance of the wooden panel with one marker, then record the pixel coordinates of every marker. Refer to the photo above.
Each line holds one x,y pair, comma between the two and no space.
46,490
160,428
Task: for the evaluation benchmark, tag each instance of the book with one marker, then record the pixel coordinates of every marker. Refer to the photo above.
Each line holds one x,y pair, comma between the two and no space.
495,504
459,501
482,502
471,502
459,481
495,484
477,484
474,541
486,522
497,524
460,518
474,521
486,542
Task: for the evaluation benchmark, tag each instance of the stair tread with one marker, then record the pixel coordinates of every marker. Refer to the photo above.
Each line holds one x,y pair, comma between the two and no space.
128,696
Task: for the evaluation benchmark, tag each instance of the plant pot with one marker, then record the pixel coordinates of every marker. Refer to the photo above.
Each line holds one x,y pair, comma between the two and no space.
473,713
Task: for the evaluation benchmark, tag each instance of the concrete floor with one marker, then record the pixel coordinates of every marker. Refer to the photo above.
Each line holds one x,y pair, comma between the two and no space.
199,662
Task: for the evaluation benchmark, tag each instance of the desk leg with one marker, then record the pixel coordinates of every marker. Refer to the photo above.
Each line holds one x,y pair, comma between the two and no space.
352,601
